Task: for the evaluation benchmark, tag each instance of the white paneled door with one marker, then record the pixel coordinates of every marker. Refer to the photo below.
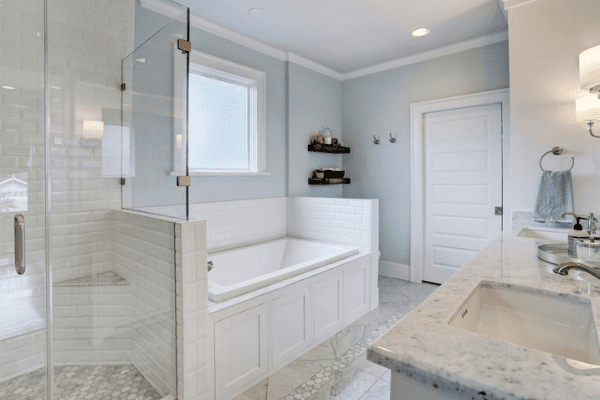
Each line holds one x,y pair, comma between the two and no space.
463,186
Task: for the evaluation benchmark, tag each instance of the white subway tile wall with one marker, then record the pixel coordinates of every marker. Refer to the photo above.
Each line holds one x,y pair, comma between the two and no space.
93,324
232,223
89,40
192,310
21,354
143,252
346,221
238,222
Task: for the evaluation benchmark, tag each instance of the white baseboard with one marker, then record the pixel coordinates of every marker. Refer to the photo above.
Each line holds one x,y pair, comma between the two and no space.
394,270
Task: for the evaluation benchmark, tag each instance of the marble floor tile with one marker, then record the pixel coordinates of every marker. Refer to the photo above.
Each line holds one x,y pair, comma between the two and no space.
349,384
379,391
324,351
374,369
415,292
258,392
384,281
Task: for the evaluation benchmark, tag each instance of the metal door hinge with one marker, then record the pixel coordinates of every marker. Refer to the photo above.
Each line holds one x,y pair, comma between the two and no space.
184,180
122,181
184,45
123,87
498,210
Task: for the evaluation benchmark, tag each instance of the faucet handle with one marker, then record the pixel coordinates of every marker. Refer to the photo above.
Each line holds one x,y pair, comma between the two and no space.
577,216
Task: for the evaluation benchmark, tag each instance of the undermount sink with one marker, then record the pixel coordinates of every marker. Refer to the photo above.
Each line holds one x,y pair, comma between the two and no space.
555,235
559,324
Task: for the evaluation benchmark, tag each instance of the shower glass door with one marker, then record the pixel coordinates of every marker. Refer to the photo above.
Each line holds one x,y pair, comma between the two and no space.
23,297
154,114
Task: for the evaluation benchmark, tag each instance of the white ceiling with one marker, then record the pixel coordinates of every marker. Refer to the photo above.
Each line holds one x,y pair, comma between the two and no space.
346,35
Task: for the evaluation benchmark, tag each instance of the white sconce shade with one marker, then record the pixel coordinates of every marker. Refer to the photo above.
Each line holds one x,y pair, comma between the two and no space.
93,129
589,68
588,109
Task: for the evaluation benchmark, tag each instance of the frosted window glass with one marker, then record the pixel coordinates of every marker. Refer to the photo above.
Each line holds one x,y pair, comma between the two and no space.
218,124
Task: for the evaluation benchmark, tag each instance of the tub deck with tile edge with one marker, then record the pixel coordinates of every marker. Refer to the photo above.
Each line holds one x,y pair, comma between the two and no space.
425,347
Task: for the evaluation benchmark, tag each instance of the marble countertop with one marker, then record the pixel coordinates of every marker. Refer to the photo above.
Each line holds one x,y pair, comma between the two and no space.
425,346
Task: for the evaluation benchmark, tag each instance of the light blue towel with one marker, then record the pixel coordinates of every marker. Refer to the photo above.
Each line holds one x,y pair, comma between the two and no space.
555,196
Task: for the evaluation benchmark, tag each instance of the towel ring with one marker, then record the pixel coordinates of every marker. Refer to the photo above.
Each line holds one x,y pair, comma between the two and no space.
557,151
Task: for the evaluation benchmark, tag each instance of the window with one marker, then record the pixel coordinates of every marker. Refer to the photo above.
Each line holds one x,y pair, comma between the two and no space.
226,117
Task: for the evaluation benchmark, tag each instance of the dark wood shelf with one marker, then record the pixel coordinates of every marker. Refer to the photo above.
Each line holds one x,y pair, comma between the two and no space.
316,181
328,148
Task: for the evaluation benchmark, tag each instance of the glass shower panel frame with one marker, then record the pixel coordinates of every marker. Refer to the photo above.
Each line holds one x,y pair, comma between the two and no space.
23,294
154,121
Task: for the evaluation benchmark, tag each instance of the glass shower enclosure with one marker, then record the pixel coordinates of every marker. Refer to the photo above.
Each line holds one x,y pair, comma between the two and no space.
154,112
87,309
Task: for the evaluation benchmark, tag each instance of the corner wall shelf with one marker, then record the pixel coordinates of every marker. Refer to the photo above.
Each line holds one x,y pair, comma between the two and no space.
324,181
328,148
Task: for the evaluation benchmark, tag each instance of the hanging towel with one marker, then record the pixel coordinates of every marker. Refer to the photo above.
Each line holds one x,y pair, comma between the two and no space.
555,196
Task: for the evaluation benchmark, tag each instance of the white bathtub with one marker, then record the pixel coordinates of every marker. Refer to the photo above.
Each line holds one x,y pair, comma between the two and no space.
248,268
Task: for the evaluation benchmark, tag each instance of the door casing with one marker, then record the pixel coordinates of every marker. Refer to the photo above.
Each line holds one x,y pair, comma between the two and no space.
417,111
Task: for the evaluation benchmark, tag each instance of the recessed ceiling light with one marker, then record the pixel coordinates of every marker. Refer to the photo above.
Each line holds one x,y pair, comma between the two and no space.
142,60
256,11
8,87
420,32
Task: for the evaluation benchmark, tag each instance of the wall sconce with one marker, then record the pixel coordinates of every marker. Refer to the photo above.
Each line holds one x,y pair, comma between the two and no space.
588,108
93,129
588,111
93,132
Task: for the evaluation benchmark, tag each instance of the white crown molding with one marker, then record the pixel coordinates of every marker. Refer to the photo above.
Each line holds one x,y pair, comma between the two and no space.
226,33
304,62
164,8
508,4
429,55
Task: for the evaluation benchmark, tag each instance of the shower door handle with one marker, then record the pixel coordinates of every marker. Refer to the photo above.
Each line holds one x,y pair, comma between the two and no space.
20,244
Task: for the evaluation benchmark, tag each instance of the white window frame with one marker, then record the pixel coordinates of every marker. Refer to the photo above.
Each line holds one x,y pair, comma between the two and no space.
225,70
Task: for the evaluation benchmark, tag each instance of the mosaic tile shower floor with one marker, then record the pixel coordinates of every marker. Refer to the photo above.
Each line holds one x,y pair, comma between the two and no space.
94,382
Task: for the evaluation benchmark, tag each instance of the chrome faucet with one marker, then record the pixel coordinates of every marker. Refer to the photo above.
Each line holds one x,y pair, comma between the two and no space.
592,224
591,221
564,269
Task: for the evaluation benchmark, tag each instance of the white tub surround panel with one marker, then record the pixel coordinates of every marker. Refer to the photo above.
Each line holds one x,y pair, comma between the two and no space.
192,314
344,221
143,252
256,337
418,345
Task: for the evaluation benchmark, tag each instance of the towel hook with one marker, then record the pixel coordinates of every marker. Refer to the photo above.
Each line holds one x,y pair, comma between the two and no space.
392,138
557,151
375,140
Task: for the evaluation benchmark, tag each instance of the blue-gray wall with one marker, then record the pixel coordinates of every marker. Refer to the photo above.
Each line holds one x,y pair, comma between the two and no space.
221,188
315,102
379,104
